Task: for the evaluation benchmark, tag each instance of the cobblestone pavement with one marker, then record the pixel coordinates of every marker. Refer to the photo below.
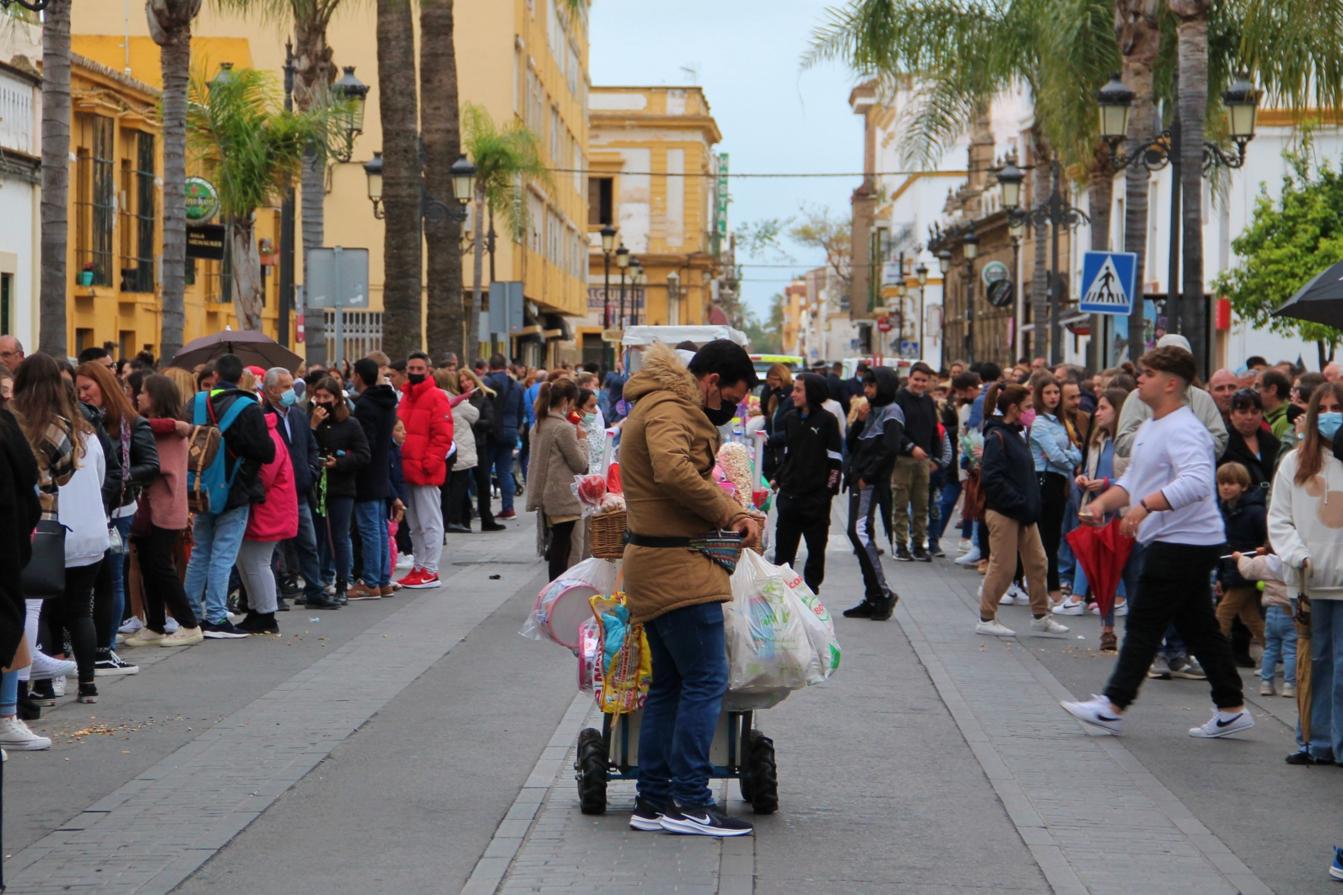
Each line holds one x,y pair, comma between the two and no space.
419,745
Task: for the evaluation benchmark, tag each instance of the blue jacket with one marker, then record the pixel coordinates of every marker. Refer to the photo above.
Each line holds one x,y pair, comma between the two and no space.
1051,449
294,428
509,402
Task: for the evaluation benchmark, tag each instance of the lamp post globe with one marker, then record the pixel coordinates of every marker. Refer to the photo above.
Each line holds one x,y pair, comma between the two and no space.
1242,106
463,179
944,261
608,238
622,257
1115,101
354,93
970,246
373,172
1010,178
225,76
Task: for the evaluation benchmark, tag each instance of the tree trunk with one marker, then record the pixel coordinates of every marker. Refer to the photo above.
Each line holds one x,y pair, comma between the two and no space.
313,74
1192,34
1040,186
402,318
245,263
53,337
1100,200
473,339
175,59
442,145
1139,35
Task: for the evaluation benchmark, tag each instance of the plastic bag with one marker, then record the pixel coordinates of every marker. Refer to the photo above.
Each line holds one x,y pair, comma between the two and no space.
562,605
624,669
820,626
768,645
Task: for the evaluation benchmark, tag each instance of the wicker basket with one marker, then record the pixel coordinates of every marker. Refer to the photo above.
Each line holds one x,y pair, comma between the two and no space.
606,535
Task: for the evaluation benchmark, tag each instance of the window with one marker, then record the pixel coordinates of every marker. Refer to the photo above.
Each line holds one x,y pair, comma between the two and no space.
83,339
601,191
556,134
95,201
6,304
136,213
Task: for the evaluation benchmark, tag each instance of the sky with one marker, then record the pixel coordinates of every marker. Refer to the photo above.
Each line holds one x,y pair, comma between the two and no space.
774,116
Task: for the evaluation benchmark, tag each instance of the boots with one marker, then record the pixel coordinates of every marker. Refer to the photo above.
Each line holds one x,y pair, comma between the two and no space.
885,607
862,610
340,597
322,601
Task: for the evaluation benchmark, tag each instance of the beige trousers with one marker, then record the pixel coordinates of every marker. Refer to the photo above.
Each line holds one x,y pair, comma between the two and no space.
1007,538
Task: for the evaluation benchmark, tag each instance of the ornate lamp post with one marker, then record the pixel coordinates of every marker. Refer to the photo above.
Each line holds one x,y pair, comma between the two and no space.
622,263
921,272
463,187
640,280
970,249
353,93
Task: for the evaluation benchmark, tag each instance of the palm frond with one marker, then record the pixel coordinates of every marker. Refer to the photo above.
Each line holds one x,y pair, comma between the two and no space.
1292,45
506,160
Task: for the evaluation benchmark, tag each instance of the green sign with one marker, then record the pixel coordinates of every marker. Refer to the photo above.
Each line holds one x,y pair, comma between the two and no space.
202,199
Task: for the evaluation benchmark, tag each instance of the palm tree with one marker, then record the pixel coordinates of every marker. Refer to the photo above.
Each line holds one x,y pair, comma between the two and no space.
402,318
1138,31
170,26
442,135
237,130
52,337
506,161
1192,104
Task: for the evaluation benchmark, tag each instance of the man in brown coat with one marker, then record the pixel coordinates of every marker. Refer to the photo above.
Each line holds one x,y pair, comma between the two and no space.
667,452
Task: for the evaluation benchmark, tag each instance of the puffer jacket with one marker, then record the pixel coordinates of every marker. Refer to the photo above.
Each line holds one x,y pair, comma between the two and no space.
428,418
557,456
375,410
464,418
668,449
275,518
1008,473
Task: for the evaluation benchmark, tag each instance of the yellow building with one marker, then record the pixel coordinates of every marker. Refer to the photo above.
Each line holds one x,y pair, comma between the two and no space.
652,177
519,59
116,221
794,316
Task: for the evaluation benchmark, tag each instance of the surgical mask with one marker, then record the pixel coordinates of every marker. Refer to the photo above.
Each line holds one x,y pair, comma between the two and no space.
1328,423
415,378
589,419
289,398
1027,417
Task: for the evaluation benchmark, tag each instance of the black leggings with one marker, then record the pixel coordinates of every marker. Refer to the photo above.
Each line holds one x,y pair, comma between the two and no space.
483,492
73,611
456,499
561,540
1053,504
157,553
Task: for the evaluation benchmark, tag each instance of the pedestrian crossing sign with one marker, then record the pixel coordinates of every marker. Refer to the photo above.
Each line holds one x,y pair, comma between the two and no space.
1109,282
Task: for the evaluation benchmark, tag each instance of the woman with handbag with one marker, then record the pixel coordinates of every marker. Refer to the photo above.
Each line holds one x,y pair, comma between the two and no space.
162,519
133,464
70,479
482,398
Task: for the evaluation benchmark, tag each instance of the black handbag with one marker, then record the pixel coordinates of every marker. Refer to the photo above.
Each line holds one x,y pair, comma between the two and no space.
44,576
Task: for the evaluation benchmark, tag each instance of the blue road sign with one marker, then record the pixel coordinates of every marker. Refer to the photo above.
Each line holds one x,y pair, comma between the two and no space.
1109,283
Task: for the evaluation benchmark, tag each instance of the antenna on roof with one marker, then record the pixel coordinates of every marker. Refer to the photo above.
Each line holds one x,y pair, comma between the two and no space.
691,72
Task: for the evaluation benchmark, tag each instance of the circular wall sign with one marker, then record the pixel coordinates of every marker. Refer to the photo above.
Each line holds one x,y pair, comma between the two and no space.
1001,293
993,272
202,200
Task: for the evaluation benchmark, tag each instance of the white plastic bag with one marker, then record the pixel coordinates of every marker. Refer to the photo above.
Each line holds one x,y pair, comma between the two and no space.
562,605
768,646
820,626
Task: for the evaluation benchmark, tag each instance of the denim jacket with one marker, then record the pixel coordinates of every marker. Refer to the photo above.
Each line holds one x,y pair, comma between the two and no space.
1051,448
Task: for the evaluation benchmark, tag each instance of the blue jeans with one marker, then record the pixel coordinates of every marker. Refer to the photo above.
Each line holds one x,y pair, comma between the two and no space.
216,542
371,518
684,702
1326,679
108,615
1067,562
946,502
1279,643
305,546
501,460
333,538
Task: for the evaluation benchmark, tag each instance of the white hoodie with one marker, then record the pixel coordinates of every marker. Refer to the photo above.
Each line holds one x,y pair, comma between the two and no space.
1305,524
81,508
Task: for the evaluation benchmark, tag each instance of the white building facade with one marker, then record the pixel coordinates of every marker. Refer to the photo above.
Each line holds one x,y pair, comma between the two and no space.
20,180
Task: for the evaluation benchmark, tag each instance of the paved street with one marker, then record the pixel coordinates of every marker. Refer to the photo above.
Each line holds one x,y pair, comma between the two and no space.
417,744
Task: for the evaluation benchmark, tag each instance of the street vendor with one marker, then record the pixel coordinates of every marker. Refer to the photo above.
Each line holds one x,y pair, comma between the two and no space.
667,456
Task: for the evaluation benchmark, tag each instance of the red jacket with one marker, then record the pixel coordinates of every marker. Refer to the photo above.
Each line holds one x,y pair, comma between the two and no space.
427,414
276,517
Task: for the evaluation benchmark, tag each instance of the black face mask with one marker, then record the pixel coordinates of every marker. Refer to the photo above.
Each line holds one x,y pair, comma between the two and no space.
415,378
723,415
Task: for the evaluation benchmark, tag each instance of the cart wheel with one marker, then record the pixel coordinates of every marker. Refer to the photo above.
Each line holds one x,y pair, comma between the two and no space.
744,784
762,773
590,770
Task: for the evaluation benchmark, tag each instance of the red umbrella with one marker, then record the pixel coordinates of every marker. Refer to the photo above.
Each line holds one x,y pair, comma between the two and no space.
1102,551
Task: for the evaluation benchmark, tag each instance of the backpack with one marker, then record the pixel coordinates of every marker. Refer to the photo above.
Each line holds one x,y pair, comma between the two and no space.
208,477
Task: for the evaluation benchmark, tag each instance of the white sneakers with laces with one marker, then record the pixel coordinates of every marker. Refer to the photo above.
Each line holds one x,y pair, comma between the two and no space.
14,734
1044,626
1223,724
1098,712
994,628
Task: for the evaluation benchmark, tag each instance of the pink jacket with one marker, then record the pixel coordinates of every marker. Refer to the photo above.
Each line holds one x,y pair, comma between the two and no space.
276,517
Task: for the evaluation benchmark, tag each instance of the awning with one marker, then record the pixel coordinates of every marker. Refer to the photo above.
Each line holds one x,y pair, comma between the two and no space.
556,327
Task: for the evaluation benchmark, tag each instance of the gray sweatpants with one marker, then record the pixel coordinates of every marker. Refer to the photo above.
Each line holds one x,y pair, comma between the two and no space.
253,565
424,515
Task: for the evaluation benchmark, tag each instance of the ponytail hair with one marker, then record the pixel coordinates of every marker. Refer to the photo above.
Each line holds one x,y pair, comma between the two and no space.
552,394
1002,396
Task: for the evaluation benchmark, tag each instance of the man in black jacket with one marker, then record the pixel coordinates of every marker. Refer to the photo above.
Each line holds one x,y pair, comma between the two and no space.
375,409
216,537
909,481
808,478
300,552
874,439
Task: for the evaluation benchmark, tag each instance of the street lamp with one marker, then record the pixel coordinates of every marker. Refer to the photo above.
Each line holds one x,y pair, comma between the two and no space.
373,173
463,175
225,76
944,261
352,93
1010,178
640,281
970,248
623,264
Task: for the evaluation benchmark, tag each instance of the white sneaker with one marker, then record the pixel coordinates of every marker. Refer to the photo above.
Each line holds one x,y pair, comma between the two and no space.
130,626
1288,690
1018,594
45,668
405,561
1070,606
1097,712
183,637
14,734
58,686
969,558
1221,724
143,637
1121,608
1044,626
963,545
170,626
994,628
1265,688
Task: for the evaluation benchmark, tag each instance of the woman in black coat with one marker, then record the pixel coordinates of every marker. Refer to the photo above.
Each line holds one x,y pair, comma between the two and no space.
343,447
482,398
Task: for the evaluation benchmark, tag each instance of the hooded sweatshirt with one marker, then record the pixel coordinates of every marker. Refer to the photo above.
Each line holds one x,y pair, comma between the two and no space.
1305,526
875,443
375,410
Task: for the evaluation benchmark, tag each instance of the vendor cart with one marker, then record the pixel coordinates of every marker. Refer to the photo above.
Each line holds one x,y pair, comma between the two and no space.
740,751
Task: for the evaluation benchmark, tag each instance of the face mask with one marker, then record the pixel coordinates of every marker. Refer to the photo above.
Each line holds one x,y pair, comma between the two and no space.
1328,423
589,419
415,378
289,398
1027,417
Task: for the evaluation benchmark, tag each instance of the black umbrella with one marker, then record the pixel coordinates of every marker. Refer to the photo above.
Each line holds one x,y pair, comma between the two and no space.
1319,301
255,349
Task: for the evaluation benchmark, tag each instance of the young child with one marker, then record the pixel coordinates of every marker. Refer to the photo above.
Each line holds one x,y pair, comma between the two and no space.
1279,628
1246,522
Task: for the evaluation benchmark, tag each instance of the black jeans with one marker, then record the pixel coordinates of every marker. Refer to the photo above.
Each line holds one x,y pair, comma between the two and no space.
73,611
794,526
561,540
456,500
1174,588
483,489
157,552
1053,504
